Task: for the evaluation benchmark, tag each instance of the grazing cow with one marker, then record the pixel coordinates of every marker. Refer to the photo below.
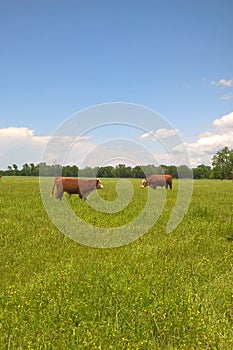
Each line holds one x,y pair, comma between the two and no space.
72,185
157,180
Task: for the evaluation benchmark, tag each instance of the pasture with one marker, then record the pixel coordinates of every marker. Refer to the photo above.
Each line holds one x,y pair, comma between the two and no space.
162,291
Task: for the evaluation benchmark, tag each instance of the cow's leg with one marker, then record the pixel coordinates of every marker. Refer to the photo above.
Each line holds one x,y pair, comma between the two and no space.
59,195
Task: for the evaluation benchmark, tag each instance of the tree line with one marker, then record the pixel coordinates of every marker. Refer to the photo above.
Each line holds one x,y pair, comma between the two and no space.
222,168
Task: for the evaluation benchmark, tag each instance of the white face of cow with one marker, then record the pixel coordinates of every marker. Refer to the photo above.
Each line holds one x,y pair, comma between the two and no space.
144,183
99,184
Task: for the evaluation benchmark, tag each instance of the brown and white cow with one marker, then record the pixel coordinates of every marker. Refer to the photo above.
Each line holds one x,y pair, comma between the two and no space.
157,180
73,185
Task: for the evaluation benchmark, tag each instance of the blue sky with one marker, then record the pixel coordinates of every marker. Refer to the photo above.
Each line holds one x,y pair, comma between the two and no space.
60,57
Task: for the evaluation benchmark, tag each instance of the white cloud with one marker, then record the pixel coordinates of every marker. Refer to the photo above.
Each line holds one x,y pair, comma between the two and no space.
19,132
158,134
225,121
227,97
20,145
207,144
222,82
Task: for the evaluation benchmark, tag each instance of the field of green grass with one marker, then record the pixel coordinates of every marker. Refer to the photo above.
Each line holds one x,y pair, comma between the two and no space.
162,291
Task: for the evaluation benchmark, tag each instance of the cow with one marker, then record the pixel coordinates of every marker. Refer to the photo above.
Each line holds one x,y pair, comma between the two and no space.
72,185
157,180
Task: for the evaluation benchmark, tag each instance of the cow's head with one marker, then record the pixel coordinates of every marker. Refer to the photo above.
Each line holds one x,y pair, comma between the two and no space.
98,184
144,183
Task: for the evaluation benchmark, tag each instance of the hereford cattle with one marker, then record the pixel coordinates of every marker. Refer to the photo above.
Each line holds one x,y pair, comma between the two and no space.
157,180
72,185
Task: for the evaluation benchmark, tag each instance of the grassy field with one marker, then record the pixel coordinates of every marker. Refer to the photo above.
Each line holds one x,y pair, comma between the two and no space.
162,291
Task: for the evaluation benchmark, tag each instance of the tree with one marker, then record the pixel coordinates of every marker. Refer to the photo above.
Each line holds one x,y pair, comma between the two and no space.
222,163
202,172
184,172
70,171
122,171
9,171
172,170
15,167
105,171
137,172
67,171
163,169
32,169
149,169
88,172
75,170
26,171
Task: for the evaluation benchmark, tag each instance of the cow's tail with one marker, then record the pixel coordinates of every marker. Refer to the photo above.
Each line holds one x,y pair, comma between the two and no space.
51,195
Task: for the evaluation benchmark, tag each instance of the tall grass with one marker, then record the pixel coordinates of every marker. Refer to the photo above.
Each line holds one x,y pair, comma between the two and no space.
163,291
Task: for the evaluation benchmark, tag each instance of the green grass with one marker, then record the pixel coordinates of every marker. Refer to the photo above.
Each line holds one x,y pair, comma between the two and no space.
163,291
